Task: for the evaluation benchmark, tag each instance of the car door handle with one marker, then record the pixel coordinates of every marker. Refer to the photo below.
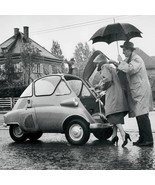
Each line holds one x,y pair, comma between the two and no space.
29,103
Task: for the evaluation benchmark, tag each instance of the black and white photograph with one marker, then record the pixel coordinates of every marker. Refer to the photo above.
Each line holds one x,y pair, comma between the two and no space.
77,94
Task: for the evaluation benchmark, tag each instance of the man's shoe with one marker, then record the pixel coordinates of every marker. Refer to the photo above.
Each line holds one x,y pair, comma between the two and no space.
137,142
147,143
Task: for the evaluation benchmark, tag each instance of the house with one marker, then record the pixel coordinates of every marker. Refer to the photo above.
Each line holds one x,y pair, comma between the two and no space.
41,60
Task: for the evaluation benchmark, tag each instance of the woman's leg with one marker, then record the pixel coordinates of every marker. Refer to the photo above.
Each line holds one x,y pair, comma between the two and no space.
114,134
122,132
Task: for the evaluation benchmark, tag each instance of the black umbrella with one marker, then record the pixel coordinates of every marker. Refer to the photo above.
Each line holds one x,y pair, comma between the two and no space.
116,32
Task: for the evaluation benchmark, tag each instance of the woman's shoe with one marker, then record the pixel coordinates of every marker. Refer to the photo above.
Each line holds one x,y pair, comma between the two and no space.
127,136
115,140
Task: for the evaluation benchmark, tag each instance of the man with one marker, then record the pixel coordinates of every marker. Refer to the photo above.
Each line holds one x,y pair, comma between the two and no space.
139,92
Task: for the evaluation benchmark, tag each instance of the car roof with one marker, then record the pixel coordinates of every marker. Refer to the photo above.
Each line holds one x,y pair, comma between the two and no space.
66,76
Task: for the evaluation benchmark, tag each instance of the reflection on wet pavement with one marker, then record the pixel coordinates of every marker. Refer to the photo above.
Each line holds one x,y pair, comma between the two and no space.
53,152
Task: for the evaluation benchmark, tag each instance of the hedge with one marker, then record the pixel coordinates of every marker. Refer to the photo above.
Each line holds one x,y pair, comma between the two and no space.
11,91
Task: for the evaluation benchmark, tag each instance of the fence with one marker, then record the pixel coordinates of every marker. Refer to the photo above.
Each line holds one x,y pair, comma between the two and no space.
7,103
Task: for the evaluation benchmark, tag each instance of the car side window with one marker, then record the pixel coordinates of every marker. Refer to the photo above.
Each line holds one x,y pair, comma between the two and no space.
46,86
85,92
76,86
62,89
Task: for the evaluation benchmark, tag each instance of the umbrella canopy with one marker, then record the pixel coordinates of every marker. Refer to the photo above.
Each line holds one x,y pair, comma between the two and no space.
116,32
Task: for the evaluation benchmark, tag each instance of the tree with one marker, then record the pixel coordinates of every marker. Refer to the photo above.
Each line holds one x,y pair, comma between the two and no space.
30,55
82,54
8,71
56,50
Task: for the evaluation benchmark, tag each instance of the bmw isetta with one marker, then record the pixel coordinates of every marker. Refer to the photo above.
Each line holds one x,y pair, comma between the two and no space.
58,103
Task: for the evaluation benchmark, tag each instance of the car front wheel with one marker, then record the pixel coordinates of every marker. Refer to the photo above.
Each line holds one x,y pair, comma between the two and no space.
77,132
17,134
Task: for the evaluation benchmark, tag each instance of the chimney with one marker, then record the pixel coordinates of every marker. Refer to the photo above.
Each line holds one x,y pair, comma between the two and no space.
26,32
16,31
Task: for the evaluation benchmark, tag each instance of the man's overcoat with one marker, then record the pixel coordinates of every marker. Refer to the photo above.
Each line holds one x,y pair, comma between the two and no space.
139,90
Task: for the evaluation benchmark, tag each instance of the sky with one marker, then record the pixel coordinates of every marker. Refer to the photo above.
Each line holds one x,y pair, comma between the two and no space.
69,30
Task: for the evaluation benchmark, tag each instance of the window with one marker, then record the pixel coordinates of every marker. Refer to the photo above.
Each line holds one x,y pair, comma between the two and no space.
76,86
2,67
18,67
36,68
50,69
27,92
46,86
85,92
41,68
62,89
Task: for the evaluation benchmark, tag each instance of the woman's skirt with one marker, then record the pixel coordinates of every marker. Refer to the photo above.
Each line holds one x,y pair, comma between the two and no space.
116,118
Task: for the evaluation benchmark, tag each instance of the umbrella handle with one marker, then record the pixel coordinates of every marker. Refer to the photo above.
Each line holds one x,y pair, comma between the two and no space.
117,47
116,41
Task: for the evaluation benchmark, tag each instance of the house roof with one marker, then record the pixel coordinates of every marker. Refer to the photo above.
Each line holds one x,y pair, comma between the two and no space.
15,43
149,61
153,57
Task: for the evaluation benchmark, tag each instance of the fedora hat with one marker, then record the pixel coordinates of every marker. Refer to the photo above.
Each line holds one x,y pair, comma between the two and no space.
128,45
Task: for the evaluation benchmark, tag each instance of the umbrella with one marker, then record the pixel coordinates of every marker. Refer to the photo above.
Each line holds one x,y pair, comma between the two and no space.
116,32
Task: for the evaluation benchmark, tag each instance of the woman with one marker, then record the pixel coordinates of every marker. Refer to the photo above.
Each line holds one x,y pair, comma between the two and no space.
116,106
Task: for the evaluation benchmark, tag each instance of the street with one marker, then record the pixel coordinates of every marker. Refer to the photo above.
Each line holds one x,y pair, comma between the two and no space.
53,152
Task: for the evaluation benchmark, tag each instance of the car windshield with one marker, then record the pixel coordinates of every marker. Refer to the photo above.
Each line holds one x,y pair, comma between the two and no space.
46,86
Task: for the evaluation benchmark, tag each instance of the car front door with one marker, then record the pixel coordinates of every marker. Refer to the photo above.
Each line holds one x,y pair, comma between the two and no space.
49,93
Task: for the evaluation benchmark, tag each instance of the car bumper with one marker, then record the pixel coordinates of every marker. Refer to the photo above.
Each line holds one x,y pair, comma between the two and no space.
99,126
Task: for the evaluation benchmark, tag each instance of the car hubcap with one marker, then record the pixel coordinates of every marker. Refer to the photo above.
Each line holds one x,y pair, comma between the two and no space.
17,131
76,132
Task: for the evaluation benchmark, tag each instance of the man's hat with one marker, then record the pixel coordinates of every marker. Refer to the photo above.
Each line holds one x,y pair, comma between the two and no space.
128,45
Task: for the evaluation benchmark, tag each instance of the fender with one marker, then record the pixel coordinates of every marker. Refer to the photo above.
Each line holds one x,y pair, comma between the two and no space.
10,123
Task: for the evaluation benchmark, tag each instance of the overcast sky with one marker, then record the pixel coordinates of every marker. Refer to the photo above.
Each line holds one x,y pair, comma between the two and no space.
68,30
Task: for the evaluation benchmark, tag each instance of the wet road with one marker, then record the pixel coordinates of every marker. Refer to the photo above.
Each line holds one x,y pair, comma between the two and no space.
53,152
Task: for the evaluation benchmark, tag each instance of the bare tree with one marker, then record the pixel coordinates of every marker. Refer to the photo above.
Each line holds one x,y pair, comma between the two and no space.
56,50
82,54
29,55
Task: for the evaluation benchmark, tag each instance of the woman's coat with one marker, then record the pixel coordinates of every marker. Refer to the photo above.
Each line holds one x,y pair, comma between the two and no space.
115,100
139,90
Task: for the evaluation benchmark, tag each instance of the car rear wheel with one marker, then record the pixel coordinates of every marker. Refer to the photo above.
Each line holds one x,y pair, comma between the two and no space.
77,132
17,134
103,134
34,136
